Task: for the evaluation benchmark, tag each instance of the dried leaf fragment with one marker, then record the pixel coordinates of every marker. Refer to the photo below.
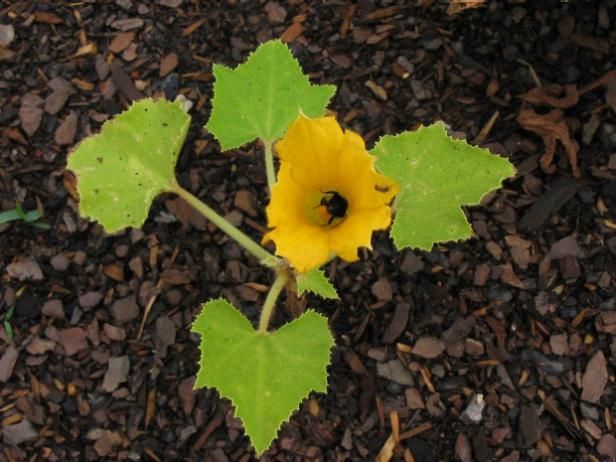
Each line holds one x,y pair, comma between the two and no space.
558,96
551,128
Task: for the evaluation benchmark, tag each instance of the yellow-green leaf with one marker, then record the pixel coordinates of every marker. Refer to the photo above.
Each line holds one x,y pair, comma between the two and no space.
437,175
260,98
316,282
124,167
265,375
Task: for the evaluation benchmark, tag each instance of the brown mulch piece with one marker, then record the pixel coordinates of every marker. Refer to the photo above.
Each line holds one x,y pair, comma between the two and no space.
551,201
498,348
551,127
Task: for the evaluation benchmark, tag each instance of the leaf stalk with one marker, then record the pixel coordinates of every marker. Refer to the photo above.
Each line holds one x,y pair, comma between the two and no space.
270,172
282,277
264,257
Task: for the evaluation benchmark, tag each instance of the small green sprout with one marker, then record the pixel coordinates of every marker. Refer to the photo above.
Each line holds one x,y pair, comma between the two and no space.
6,322
31,217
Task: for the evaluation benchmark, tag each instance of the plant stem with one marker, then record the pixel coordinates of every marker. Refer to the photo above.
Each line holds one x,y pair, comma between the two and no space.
269,164
266,258
270,301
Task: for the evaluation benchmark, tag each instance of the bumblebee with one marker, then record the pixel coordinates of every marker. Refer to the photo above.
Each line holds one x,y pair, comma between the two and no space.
335,204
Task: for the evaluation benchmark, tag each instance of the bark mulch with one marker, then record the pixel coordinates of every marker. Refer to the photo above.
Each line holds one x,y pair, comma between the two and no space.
499,348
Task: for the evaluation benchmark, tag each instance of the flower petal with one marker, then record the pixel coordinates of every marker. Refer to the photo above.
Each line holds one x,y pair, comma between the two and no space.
316,158
306,247
356,231
312,147
288,200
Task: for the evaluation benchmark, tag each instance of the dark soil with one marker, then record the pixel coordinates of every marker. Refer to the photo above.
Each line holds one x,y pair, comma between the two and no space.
521,319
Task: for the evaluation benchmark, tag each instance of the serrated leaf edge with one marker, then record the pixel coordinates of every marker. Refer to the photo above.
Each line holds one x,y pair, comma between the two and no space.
223,147
108,123
301,292
444,127
297,406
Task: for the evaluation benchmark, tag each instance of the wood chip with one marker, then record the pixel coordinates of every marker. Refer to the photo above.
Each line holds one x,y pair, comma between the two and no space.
387,451
108,441
168,63
398,323
529,427
121,41
459,330
61,91
294,30
557,195
276,14
66,131
193,27
414,399
566,247
125,309
85,50
395,371
30,113
123,82
607,446
19,433
428,347
463,448
595,378
73,340
46,17
164,334
7,363
377,90
25,269
382,290
127,24
39,346
170,3
559,344
114,271
187,395
83,85
7,34
117,373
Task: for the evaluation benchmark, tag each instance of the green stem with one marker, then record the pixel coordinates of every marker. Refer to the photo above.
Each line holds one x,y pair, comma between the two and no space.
269,164
270,301
244,240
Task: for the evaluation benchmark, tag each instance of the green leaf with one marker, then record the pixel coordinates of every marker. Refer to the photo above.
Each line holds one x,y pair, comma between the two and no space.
32,216
18,214
437,175
265,375
260,98
20,210
316,282
7,323
9,215
123,168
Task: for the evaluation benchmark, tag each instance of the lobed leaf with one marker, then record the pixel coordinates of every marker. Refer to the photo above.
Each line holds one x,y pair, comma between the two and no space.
265,375
260,98
316,282
124,167
437,174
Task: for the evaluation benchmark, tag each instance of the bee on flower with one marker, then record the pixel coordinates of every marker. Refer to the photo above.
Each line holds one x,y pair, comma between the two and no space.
328,198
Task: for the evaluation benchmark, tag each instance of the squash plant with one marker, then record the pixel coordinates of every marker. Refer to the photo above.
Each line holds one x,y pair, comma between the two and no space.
327,197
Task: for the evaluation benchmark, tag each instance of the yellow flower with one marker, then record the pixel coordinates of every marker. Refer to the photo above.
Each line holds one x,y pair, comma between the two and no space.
328,198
